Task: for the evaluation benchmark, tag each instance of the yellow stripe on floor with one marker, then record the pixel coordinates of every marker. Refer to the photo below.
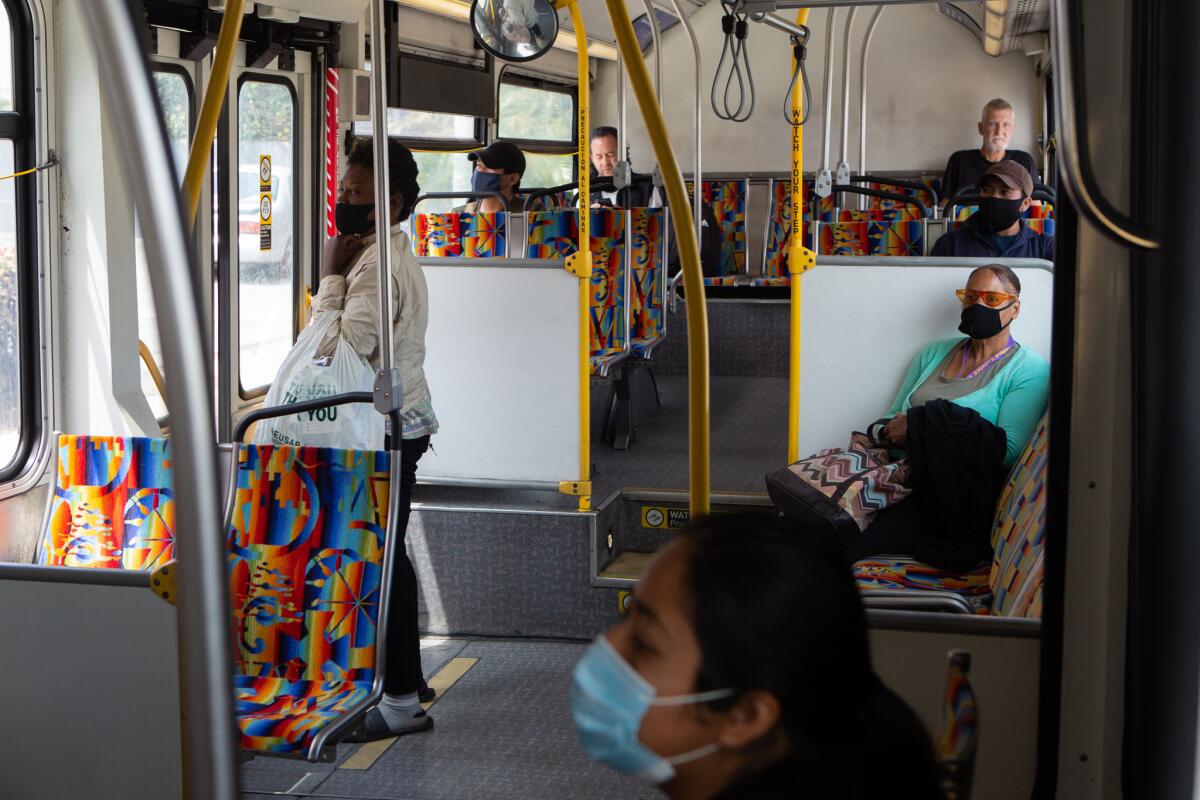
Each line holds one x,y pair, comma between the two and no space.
366,756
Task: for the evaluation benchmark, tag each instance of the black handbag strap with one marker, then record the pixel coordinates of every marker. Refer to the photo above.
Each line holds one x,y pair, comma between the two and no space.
877,438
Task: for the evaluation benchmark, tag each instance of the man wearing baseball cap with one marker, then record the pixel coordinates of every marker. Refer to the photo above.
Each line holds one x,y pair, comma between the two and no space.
997,229
498,168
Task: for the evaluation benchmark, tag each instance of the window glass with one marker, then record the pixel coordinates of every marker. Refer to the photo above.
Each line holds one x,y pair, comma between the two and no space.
442,172
406,124
6,62
266,257
542,172
536,114
175,101
10,321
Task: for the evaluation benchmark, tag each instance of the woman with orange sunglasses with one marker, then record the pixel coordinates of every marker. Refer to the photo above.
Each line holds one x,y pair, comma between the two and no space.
988,372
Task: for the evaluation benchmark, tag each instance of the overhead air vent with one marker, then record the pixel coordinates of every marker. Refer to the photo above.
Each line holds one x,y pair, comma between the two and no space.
1011,25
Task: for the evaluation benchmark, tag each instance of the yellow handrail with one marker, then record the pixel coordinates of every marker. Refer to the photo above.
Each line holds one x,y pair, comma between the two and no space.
580,264
210,110
689,256
152,365
800,258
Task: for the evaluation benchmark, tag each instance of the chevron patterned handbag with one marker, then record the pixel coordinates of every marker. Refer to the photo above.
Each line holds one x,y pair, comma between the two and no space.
840,491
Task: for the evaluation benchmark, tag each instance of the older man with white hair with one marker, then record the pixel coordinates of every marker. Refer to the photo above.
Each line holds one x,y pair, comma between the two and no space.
967,167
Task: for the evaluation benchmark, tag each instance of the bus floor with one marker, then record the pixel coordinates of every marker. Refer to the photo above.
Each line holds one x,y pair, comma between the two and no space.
747,430
502,730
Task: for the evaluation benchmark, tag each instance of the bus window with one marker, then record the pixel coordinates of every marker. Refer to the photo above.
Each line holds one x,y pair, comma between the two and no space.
266,257
175,99
10,318
423,131
12,392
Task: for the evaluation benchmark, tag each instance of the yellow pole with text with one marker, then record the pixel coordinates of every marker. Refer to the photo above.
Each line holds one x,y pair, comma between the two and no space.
689,256
580,265
800,258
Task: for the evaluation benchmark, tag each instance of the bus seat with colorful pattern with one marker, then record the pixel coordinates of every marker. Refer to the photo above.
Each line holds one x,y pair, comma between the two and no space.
460,234
646,325
1011,584
554,234
112,505
871,238
305,559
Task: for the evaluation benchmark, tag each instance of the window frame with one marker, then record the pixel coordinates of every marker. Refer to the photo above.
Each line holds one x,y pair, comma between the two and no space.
172,68
235,244
20,126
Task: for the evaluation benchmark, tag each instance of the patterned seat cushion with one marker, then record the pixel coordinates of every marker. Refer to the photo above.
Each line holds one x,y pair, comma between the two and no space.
784,281
646,322
872,238
1019,536
902,572
460,234
553,234
727,199
305,564
113,505
721,280
276,715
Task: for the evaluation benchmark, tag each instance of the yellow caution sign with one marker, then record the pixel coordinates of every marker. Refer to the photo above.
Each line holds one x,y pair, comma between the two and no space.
265,202
659,517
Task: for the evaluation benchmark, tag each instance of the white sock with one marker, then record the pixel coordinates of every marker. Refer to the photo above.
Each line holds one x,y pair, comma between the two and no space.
398,710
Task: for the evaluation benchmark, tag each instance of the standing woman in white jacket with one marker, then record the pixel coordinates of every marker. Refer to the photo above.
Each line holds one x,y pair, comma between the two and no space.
349,289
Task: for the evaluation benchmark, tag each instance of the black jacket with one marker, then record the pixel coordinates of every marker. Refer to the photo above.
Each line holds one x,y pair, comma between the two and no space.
957,471
972,240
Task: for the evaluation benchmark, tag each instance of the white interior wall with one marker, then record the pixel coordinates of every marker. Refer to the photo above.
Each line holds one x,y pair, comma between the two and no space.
928,79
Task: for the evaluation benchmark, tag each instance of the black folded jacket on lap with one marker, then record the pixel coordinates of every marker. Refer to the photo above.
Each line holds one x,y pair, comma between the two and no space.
957,462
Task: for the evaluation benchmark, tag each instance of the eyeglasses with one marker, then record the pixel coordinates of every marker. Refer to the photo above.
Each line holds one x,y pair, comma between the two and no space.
969,297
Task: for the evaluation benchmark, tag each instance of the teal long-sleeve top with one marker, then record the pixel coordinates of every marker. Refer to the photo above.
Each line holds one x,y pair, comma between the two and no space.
1014,399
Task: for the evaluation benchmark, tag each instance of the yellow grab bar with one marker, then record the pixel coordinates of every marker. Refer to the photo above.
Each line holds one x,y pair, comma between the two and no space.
800,258
152,365
580,265
689,256
210,110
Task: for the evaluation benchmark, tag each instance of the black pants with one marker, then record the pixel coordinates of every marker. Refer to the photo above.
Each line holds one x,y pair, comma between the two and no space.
892,532
403,666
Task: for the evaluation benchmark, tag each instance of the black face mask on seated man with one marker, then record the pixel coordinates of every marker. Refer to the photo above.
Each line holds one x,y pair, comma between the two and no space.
351,218
981,322
1000,213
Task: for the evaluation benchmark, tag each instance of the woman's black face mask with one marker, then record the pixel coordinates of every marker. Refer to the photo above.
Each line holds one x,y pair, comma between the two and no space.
351,219
981,322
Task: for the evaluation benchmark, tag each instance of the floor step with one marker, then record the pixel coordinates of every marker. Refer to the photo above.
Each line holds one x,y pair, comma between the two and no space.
627,566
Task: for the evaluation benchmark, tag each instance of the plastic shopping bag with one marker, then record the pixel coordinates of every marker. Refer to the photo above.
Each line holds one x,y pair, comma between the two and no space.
303,376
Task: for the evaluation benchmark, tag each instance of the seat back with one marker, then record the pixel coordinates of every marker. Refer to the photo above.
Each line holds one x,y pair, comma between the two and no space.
305,549
555,234
113,504
646,320
871,238
1019,532
728,201
461,234
959,736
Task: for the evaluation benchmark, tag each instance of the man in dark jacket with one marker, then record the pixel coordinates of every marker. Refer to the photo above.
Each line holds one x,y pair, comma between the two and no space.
996,229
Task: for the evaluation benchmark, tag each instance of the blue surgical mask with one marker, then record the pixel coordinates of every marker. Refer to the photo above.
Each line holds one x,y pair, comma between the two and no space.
485,181
608,701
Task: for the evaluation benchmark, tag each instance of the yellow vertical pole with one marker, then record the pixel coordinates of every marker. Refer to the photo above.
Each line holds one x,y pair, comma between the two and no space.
800,258
580,264
210,110
689,256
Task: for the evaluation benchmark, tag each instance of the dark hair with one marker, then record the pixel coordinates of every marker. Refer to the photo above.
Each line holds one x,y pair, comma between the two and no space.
1003,274
402,169
604,130
776,609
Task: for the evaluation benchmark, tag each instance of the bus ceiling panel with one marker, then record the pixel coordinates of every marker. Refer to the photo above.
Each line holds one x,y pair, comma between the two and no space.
198,28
